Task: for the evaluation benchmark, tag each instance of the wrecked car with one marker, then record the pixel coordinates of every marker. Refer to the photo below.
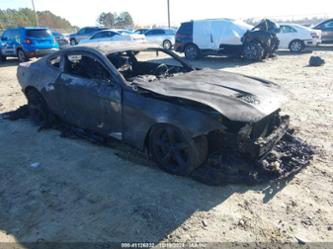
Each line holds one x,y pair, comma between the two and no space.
151,99
227,37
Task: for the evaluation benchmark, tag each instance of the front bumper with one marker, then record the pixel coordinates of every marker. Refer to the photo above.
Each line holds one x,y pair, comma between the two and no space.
312,42
257,149
277,156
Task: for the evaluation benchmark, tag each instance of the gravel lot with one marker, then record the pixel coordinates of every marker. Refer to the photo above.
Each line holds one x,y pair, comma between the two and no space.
81,192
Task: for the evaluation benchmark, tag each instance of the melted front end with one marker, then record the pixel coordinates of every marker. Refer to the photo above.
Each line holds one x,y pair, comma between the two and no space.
258,139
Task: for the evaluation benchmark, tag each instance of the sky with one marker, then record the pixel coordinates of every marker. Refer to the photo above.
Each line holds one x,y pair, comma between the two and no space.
148,12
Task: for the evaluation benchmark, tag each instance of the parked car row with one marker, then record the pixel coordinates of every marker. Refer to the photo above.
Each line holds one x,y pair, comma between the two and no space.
161,36
194,38
230,37
113,35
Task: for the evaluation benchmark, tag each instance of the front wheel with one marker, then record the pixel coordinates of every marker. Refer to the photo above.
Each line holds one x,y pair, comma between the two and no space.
167,45
174,152
21,56
192,52
296,46
73,42
253,51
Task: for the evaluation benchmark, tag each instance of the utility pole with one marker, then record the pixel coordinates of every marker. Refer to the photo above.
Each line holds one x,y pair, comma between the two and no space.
169,13
34,9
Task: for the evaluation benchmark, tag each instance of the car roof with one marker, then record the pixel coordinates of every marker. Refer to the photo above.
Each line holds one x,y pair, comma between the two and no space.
28,28
291,24
116,46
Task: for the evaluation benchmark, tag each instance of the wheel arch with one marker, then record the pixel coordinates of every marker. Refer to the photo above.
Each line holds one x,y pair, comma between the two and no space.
30,88
19,48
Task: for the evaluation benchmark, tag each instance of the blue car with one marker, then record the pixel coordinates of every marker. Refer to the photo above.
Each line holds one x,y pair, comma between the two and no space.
27,42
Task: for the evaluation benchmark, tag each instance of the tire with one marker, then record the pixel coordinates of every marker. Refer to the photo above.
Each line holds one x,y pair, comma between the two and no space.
174,152
192,52
21,56
73,42
167,45
296,46
2,57
253,51
38,108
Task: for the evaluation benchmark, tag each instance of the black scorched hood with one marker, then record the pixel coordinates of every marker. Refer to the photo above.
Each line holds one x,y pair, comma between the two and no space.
237,97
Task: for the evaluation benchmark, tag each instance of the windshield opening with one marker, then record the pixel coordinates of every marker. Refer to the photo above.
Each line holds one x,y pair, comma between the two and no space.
150,64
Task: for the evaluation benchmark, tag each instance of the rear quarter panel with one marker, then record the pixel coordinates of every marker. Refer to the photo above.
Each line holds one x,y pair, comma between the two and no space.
38,75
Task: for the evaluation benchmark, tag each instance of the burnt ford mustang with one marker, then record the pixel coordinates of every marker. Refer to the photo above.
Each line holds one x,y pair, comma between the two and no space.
151,99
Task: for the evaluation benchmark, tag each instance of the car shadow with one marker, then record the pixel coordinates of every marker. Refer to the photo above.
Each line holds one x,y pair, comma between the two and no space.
60,190
289,53
324,47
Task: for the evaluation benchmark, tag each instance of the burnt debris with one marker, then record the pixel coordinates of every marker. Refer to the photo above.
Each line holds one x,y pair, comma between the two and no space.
316,61
289,156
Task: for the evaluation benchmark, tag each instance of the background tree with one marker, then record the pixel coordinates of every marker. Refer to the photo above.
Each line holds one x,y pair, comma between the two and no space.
26,17
123,20
106,19
126,19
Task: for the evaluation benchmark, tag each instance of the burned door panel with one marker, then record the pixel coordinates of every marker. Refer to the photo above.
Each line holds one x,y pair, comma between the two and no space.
90,104
80,103
91,98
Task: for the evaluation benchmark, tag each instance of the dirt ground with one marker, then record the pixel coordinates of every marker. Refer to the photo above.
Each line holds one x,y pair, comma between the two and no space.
68,190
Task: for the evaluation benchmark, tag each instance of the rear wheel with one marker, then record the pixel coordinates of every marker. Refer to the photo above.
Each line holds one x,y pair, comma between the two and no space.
167,45
2,57
253,51
296,46
73,42
38,109
21,56
174,152
192,52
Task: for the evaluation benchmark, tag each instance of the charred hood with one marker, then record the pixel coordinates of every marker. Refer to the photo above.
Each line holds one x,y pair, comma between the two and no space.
237,97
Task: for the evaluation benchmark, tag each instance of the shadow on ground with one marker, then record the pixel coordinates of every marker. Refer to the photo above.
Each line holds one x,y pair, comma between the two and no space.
9,62
69,190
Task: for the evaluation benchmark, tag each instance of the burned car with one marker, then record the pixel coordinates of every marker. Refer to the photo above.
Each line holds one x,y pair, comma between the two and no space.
151,99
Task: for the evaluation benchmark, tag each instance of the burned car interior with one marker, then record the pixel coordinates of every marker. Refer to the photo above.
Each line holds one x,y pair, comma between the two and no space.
85,66
150,64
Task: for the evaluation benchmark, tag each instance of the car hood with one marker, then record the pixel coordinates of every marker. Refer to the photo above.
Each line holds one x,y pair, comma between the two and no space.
237,97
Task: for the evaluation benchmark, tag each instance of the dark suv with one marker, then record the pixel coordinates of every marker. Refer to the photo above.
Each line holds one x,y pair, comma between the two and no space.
82,34
326,28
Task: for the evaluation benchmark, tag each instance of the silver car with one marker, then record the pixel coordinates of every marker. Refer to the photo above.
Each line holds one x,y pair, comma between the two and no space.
326,28
163,37
83,34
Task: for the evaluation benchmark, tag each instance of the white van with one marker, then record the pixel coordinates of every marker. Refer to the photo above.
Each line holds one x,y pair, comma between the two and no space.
220,36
